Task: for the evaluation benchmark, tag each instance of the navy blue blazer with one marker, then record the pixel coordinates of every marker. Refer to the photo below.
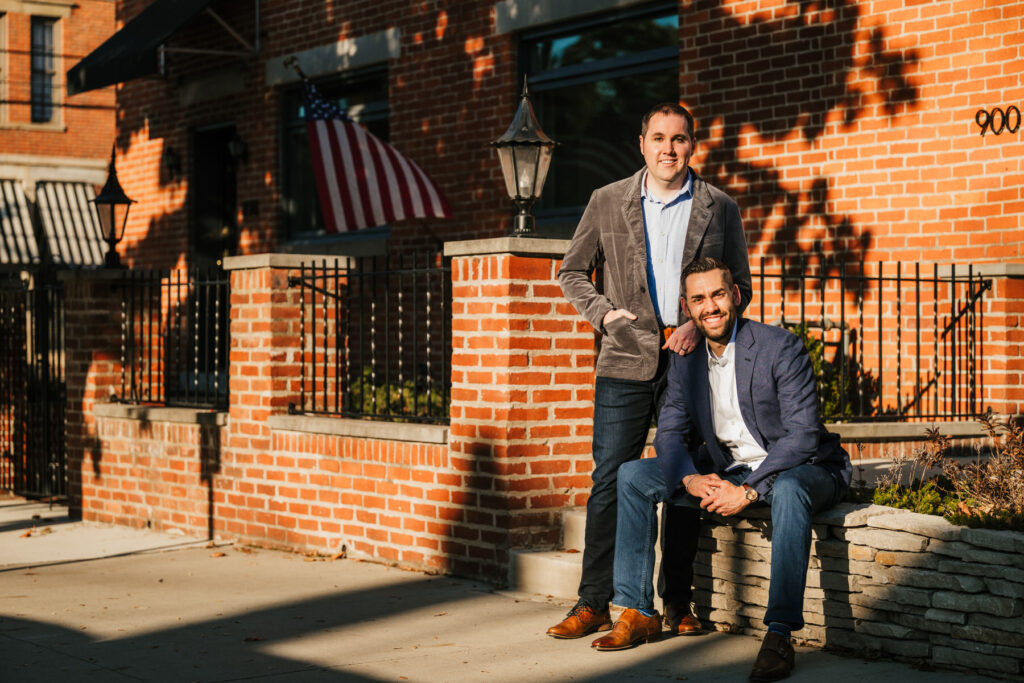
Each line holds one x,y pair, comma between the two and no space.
775,387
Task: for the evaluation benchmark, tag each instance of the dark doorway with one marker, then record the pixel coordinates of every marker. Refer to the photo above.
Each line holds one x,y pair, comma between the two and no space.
214,196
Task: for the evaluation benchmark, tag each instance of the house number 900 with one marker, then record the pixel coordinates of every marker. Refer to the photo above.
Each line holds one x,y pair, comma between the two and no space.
997,120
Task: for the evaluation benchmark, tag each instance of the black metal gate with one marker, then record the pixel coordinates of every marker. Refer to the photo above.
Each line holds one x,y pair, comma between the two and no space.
33,454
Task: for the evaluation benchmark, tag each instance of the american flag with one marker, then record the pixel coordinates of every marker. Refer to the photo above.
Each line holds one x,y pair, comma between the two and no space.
363,181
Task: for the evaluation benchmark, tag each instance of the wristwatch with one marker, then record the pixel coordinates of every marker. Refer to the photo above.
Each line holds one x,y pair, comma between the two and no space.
751,493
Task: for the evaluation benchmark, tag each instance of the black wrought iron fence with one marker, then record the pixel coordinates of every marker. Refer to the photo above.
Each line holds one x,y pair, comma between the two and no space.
376,337
888,341
33,454
174,338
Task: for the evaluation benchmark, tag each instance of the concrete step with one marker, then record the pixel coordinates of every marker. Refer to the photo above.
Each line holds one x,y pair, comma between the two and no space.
556,572
546,572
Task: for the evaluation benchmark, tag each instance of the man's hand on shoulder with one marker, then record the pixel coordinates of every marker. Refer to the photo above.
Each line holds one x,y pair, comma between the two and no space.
727,499
615,314
684,339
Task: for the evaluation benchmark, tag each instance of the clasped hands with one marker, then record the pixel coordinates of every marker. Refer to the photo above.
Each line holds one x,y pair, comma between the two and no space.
716,494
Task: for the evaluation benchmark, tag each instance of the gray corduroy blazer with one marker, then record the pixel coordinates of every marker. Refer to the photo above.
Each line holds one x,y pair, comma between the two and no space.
611,235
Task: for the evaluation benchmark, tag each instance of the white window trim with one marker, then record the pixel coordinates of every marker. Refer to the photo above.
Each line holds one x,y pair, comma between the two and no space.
40,8
515,15
335,57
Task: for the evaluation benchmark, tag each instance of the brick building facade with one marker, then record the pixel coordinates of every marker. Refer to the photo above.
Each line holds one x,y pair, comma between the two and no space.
844,128
45,138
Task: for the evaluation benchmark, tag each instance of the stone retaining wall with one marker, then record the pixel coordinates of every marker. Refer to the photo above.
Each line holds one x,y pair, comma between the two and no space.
880,581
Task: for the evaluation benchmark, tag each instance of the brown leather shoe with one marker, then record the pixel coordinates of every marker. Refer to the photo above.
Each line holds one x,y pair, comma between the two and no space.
631,628
775,660
681,621
581,620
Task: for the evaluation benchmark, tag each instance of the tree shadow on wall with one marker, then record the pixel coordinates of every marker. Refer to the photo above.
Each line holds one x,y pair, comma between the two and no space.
779,81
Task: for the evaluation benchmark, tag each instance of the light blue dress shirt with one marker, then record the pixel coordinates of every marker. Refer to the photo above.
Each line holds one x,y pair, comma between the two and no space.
665,225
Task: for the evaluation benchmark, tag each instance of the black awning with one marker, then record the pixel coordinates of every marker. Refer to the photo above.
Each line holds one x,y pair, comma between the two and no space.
132,51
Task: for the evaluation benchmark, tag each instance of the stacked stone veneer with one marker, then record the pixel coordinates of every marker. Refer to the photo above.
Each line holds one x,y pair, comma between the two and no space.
880,581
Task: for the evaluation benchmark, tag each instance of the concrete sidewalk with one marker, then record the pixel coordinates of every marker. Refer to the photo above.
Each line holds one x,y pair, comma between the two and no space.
91,603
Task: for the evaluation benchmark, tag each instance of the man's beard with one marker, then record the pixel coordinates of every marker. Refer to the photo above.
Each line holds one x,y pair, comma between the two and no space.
725,336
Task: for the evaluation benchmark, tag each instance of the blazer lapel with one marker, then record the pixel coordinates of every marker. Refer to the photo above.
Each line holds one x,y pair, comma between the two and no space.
700,218
633,215
746,357
700,396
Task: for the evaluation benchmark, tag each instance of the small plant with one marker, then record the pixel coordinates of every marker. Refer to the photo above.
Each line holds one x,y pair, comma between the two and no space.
395,400
986,492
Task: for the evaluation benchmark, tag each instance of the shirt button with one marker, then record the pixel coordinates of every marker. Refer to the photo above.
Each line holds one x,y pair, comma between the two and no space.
642,289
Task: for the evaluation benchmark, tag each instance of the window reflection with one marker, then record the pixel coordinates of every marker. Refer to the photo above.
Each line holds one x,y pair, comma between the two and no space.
590,84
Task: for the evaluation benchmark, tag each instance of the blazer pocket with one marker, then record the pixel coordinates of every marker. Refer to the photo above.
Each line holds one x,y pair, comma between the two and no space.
622,335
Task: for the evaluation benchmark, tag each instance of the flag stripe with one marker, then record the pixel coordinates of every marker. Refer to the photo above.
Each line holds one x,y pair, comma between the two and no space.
395,184
361,180
353,185
321,161
369,153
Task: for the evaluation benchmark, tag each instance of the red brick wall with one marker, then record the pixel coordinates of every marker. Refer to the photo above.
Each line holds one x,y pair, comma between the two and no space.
421,505
522,389
843,127
92,370
152,474
518,449
451,92
87,122
849,126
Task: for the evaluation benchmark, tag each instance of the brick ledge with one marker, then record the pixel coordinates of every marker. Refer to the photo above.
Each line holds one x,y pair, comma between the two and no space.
367,429
519,246
129,411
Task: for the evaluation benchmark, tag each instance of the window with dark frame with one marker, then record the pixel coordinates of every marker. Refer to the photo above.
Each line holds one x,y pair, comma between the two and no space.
43,69
590,83
363,95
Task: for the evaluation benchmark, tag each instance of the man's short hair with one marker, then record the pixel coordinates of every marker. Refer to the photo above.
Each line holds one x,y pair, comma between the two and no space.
707,264
667,108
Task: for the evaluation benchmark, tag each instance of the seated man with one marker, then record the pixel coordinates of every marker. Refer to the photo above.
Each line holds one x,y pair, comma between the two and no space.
748,394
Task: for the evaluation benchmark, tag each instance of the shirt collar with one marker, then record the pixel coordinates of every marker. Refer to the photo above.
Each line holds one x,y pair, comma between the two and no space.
687,186
728,354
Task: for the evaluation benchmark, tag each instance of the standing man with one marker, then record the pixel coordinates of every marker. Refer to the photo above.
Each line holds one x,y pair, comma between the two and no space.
642,230
747,393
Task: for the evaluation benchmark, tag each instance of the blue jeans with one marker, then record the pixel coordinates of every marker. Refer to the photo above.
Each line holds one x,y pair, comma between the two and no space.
795,497
623,410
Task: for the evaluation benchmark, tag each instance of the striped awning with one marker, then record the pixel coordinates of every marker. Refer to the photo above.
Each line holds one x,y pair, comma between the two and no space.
73,232
17,237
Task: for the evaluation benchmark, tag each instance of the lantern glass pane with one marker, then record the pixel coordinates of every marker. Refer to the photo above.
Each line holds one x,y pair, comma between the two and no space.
526,158
542,168
507,169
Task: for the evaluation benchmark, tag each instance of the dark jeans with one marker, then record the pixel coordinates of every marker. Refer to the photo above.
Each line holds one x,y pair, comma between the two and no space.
795,497
623,410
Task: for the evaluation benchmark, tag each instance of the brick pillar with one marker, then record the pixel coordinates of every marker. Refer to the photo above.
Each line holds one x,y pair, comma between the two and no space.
522,385
263,378
1001,357
92,304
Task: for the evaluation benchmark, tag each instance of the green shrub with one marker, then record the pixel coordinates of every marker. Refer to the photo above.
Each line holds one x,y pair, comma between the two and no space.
831,382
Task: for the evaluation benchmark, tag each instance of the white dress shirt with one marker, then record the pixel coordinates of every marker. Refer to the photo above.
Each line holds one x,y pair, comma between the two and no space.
730,429
665,225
